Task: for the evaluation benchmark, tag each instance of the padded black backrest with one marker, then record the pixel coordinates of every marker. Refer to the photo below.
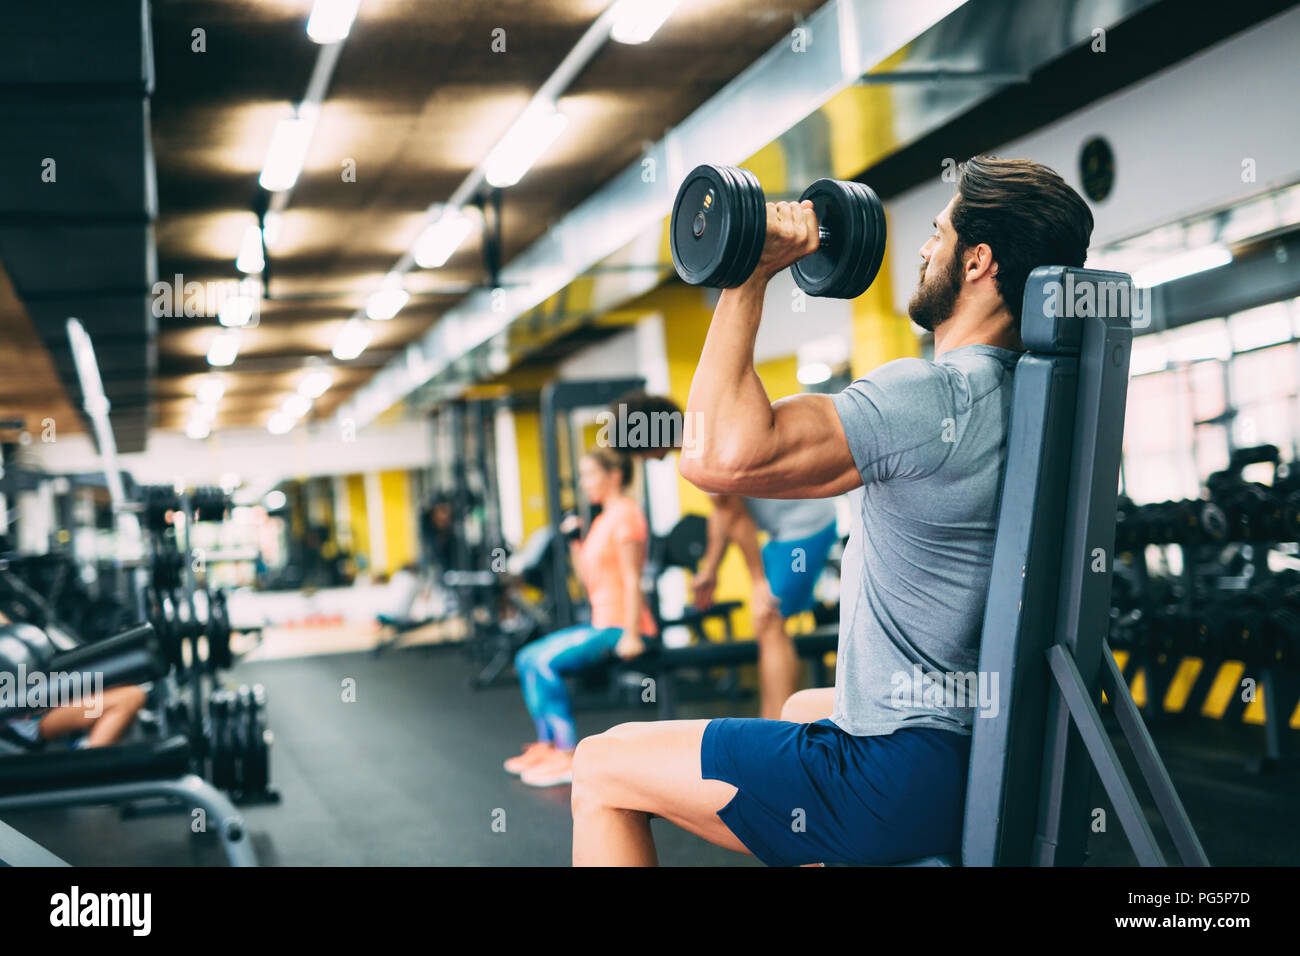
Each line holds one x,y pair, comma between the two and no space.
1026,586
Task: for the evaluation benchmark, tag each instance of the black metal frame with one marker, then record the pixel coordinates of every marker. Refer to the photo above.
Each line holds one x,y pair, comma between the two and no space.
560,399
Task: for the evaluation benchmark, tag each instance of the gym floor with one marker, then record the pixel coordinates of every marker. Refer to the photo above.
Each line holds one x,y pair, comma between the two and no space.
410,774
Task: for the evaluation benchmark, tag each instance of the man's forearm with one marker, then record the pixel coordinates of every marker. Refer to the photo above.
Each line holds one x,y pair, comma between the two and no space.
744,532
719,537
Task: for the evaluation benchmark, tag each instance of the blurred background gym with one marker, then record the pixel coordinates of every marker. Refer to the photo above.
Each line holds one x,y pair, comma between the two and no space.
308,311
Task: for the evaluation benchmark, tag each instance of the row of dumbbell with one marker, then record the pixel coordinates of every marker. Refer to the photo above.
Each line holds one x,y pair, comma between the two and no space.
1244,512
1260,625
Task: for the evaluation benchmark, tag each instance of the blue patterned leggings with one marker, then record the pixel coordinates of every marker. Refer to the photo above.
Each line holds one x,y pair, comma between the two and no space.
541,667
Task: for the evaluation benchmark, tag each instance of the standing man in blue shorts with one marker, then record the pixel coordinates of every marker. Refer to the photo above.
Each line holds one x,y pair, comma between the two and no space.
782,573
863,773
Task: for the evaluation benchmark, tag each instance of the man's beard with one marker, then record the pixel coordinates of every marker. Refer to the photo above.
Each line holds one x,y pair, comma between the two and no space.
935,297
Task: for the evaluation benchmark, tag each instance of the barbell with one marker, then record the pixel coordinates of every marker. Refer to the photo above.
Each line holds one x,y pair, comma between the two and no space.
719,225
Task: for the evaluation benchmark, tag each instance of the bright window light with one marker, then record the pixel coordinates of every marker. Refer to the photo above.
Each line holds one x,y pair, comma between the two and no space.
388,301
1184,264
235,311
315,384
210,390
202,412
280,423
331,20
532,134
250,258
1260,327
296,405
224,349
437,243
288,152
636,21
814,373
352,341
198,428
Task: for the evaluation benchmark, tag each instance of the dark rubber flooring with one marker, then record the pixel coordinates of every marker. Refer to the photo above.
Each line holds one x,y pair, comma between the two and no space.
410,774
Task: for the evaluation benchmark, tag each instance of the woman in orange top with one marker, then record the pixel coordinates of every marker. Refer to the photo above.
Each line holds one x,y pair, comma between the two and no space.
608,562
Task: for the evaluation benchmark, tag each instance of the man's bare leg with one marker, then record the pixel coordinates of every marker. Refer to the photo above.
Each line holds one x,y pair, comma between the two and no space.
117,712
809,706
778,664
634,770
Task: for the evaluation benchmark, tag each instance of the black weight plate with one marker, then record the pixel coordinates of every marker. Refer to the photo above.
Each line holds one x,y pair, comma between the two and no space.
851,283
737,214
687,542
753,229
863,230
876,244
702,259
834,207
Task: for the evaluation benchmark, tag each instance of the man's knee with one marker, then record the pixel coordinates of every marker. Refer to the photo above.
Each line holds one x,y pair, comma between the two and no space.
593,760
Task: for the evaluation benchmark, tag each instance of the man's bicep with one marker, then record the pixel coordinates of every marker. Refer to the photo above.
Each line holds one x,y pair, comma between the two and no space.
812,457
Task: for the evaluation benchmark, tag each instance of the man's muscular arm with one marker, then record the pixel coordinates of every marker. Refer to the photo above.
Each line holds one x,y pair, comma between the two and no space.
745,443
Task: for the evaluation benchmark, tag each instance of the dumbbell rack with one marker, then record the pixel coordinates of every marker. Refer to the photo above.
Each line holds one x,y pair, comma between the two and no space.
236,762
1161,647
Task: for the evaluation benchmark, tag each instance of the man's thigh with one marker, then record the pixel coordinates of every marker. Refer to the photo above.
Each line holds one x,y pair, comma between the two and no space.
654,767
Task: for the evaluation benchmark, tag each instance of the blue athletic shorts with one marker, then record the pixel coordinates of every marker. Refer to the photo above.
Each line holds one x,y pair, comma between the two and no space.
811,793
792,576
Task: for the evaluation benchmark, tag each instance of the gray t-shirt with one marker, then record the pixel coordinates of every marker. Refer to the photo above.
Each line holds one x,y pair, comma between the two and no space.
930,441
791,519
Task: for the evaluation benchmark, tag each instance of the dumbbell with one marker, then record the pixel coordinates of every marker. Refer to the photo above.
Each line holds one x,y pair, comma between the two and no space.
719,225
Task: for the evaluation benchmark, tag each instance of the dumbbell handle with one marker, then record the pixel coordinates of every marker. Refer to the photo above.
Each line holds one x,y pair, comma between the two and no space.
823,237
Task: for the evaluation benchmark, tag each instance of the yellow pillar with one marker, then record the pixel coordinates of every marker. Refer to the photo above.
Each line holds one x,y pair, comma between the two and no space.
358,520
400,546
880,334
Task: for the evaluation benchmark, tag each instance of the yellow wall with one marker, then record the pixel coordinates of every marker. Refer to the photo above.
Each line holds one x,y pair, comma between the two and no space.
400,545
532,481
358,520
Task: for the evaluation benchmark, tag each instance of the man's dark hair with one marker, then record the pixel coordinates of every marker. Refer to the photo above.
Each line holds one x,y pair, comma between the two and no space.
1027,214
659,411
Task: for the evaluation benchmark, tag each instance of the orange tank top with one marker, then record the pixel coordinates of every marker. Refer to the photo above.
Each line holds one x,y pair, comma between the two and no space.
600,564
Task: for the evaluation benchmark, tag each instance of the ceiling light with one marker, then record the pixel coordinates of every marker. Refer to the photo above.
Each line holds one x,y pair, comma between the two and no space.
814,373
315,384
636,21
235,311
288,152
331,20
388,301
280,423
210,390
296,405
352,341
250,257
437,243
271,228
1184,264
523,145
198,429
224,349
200,412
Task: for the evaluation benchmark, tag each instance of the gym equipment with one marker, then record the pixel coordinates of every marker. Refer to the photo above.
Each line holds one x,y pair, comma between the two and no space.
119,775
193,623
1031,761
562,445
719,226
